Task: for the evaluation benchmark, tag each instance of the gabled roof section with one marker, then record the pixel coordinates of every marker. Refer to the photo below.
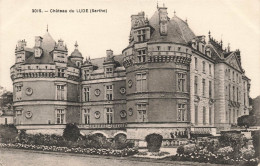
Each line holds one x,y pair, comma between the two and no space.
233,61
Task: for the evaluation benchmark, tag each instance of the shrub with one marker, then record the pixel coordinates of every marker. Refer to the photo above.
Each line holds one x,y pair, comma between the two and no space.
154,142
246,121
98,141
8,133
180,150
71,132
247,153
256,142
235,140
190,148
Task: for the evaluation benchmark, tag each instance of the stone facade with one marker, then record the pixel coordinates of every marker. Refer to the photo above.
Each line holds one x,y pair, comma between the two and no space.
167,81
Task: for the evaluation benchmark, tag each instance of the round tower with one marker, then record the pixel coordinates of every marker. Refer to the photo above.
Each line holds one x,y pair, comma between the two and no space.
157,75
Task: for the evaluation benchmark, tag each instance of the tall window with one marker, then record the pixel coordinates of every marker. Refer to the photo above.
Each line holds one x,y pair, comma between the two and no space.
203,67
230,115
210,114
141,56
181,77
196,85
181,112
233,93
141,83
141,110
86,94
227,116
233,76
86,116
229,74
237,94
229,92
210,93
18,92
60,92
109,116
141,35
61,73
203,87
209,69
196,114
204,115
196,63
234,116
60,116
109,92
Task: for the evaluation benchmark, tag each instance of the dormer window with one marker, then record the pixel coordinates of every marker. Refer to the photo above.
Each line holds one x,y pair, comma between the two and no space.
203,49
141,56
141,35
61,73
78,63
108,71
86,75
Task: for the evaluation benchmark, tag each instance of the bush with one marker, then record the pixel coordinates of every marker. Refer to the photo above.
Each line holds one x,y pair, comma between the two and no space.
71,132
246,121
180,149
256,142
154,142
8,133
97,141
190,148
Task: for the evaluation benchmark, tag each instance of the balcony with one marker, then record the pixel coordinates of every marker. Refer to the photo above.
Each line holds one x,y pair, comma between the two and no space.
103,126
203,130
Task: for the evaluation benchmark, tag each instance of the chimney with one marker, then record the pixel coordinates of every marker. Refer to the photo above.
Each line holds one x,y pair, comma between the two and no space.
163,20
109,54
21,44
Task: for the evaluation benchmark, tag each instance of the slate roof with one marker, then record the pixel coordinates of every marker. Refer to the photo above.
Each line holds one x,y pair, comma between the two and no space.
48,44
178,30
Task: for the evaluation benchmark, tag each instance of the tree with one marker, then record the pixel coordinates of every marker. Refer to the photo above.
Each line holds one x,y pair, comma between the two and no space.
246,121
71,132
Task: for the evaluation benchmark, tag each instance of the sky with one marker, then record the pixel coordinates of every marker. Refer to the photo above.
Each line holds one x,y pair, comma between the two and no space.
234,21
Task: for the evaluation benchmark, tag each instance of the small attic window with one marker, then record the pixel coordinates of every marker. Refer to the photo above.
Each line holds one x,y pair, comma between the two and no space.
46,67
158,47
179,48
169,48
29,67
37,67
78,63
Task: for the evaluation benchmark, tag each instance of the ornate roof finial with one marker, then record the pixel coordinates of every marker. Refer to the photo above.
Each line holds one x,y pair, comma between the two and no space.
174,12
76,45
47,28
228,47
209,35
